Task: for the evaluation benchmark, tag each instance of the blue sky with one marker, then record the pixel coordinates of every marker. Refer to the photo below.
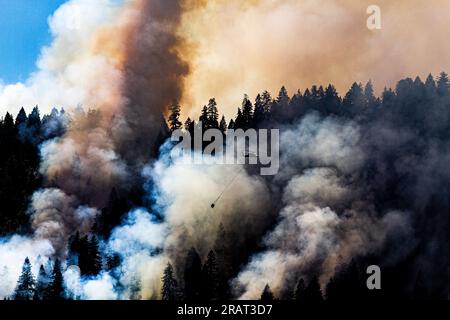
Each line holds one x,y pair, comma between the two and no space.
23,31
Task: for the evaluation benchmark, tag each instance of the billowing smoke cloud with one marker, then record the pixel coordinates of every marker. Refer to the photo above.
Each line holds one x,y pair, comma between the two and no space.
140,49
180,192
97,288
55,216
147,244
312,239
12,254
127,60
249,46
119,58
67,70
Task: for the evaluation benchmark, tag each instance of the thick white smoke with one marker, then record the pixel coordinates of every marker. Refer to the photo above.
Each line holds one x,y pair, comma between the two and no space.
13,252
183,192
323,223
67,68
100,287
321,226
54,216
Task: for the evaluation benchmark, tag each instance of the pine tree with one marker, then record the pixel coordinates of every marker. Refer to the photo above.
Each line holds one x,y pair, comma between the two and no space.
174,116
369,95
95,260
42,285
267,102
187,124
332,290
231,124
21,118
212,114
223,125
169,289
204,117
300,290
34,119
9,129
443,84
354,99
280,107
313,294
332,101
111,215
259,114
283,97
211,277
247,113
239,122
83,256
25,285
387,97
56,288
74,249
89,259
192,276
223,255
430,86
32,133
267,294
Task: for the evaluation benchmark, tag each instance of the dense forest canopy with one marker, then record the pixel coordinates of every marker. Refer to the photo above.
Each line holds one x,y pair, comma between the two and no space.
400,180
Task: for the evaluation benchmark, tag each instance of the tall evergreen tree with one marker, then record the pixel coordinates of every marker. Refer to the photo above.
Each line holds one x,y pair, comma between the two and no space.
279,109
174,116
247,113
89,258
26,284
95,259
34,119
313,294
111,215
267,101
21,118
32,133
223,254
212,114
192,276
354,100
283,97
223,125
187,124
371,100
332,290
169,289
239,123
42,285
430,86
210,277
231,124
267,294
56,288
443,84
300,291
259,114
204,117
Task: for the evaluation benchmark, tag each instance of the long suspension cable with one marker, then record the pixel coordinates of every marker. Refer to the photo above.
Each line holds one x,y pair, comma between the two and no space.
227,186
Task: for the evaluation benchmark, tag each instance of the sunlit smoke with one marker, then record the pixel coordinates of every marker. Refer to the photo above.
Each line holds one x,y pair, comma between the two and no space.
249,46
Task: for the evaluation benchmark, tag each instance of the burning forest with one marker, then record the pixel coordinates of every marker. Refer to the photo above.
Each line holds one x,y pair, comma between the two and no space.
96,205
